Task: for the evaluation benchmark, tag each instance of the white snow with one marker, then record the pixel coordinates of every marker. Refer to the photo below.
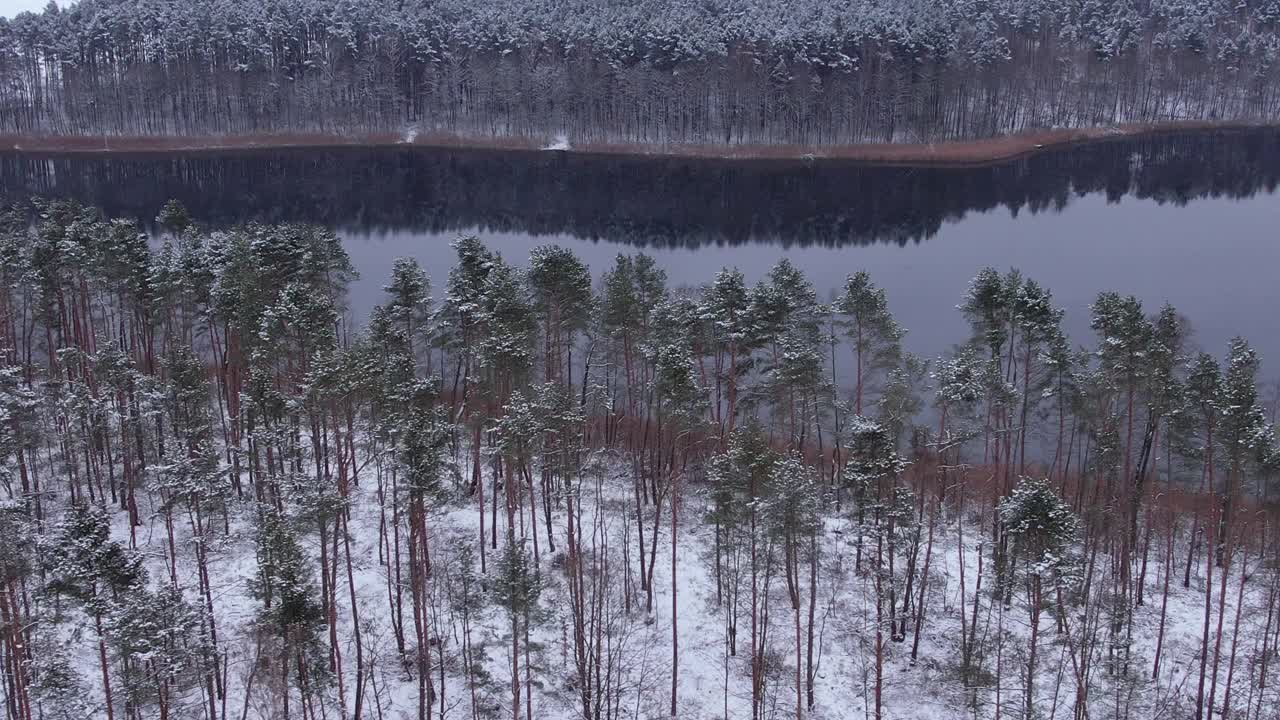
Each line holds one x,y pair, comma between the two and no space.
711,681
561,142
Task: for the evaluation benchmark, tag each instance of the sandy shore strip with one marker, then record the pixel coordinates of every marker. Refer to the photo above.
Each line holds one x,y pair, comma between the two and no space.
950,153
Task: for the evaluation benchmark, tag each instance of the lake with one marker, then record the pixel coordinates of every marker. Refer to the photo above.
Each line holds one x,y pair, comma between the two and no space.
1188,218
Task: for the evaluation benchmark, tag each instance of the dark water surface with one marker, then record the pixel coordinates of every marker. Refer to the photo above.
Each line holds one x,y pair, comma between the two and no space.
1189,219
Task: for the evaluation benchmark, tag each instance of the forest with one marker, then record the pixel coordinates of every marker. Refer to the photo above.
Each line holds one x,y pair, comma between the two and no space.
526,488
652,72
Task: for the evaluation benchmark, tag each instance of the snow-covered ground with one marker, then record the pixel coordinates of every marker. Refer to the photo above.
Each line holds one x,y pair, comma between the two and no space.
711,683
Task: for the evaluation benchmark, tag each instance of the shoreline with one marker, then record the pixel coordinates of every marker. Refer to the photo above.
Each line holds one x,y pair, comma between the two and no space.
953,153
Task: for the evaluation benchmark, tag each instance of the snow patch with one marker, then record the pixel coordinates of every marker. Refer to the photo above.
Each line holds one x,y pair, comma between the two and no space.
561,143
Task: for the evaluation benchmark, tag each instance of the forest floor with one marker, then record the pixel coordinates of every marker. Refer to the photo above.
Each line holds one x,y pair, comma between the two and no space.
712,684
948,153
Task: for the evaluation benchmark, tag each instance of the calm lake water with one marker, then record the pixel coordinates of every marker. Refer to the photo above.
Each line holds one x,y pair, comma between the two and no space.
1189,219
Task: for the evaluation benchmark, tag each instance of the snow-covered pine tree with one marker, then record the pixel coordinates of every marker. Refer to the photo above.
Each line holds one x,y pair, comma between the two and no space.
793,513
164,649
291,619
19,427
561,286
876,338
740,487
18,538
1043,535
409,307
1039,324
1162,391
727,313
81,562
516,588
1242,428
871,477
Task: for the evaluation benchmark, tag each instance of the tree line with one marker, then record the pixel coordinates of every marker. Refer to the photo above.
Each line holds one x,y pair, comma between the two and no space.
535,491
654,72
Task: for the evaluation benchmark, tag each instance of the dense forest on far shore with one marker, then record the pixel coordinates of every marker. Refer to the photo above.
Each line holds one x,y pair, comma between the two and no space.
636,71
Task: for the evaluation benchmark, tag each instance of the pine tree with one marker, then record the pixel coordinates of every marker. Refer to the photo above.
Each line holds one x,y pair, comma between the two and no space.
409,305
740,488
118,374
873,460
788,321
743,489
871,475
516,589
632,289
291,621
18,562
57,686
899,404
990,306
959,387
163,649
1163,393
561,286
412,431
727,311
1242,430
987,306
793,515
83,563
1124,337
173,216
1039,325
468,597
1043,533
875,336
19,413
680,399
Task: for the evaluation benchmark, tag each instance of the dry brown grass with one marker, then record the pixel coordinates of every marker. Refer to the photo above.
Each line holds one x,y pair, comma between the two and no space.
954,153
